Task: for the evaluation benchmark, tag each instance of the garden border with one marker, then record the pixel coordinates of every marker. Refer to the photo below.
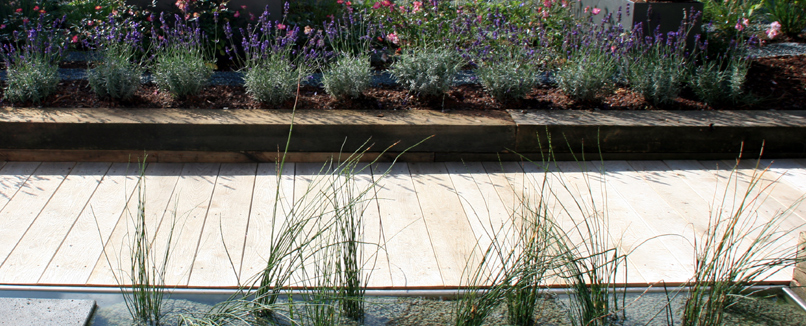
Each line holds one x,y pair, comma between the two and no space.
195,135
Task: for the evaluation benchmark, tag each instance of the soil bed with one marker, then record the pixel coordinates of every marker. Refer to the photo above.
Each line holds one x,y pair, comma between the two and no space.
777,83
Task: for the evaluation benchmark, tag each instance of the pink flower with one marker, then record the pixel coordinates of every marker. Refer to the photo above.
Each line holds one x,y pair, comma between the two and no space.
376,5
36,8
280,26
386,3
392,37
775,28
90,23
339,1
416,6
2,26
243,7
349,3
739,27
75,39
588,8
18,10
25,20
237,14
183,5
251,16
564,4
150,18
98,7
596,11
745,22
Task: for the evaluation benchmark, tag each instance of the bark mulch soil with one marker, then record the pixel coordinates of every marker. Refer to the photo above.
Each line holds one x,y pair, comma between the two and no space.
775,83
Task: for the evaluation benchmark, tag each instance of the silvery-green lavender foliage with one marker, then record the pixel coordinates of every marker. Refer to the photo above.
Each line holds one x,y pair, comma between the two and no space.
508,78
721,80
182,66
714,86
32,59
181,72
116,76
273,64
31,79
659,78
428,71
587,75
271,82
592,56
348,77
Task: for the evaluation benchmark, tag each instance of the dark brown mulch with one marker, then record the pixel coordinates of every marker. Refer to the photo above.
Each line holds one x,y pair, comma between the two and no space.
780,83
777,83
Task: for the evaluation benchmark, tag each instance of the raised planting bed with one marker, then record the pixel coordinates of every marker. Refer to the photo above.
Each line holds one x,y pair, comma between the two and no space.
171,135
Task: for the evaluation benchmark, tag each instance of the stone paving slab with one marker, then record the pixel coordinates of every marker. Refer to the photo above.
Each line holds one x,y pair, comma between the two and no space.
44,312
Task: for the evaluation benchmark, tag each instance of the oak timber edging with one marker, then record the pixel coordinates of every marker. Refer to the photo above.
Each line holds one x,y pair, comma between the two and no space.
666,134
251,130
194,135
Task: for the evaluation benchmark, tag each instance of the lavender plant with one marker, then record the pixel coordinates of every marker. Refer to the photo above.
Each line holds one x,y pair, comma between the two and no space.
352,35
721,80
117,76
182,65
657,72
348,77
429,72
509,77
32,61
592,55
660,62
272,62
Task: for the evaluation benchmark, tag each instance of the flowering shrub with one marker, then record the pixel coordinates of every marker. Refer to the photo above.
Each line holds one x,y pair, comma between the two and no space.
723,15
272,61
658,66
15,14
593,53
182,64
118,73
32,60
789,14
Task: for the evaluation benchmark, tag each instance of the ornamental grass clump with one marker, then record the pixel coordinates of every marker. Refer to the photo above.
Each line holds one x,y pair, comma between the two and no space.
739,249
182,66
427,72
117,75
348,77
32,59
